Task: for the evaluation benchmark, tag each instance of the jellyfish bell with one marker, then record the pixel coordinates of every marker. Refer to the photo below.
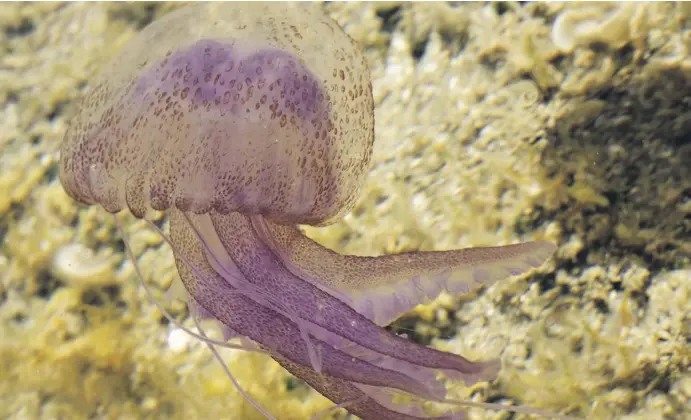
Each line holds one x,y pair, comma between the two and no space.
236,109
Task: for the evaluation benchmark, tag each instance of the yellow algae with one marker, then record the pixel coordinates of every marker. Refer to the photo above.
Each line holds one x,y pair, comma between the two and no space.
587,195
474,103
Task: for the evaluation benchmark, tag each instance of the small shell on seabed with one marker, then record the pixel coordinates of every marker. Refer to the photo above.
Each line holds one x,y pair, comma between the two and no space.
77,265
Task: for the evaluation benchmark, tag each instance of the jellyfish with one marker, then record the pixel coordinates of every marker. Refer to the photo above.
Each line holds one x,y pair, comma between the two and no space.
243,121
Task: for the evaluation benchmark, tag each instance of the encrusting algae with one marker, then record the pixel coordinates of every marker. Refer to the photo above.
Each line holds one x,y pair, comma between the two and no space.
472,149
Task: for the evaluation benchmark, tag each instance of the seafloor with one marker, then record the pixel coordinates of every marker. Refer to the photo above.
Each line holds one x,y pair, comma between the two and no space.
495,123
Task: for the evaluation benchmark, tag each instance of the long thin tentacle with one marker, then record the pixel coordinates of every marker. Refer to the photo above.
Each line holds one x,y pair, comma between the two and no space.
202,336
235,382
163,311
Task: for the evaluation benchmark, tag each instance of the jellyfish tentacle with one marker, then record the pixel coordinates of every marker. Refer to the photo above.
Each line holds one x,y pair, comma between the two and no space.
222,264
232,378
383,288
258,262
202,335
272,330
163,310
